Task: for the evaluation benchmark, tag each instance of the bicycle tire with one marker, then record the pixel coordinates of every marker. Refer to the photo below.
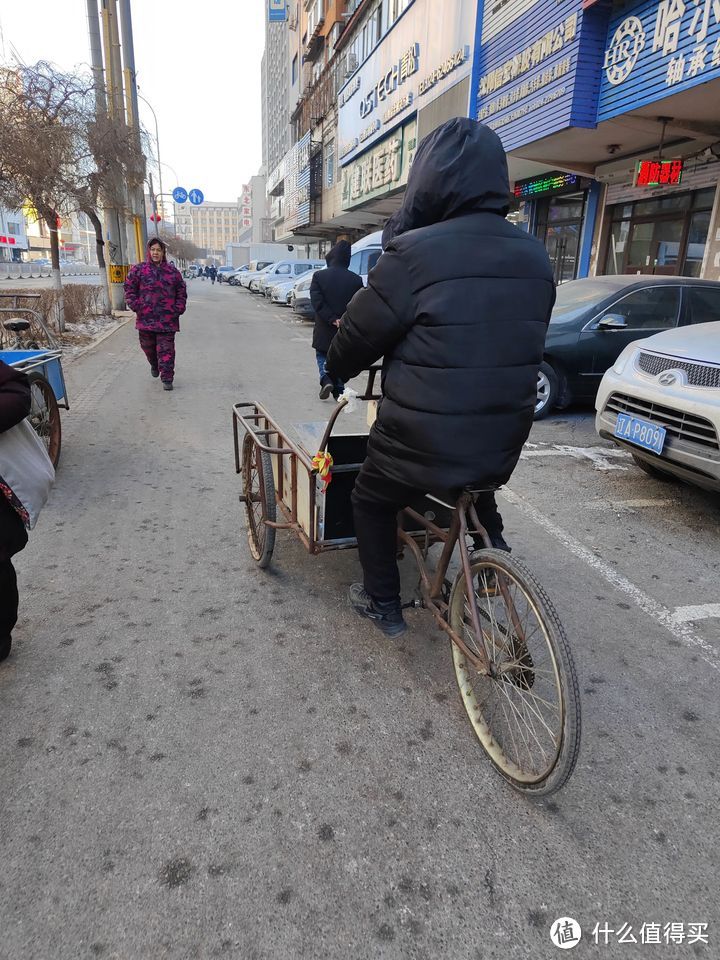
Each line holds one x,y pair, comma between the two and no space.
257,468
521,670
45,415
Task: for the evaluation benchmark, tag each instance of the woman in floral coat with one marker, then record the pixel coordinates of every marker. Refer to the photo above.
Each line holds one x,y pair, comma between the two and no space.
156,292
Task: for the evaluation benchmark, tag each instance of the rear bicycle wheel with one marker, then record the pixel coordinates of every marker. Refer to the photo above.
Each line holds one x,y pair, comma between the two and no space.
44,415
259,493
526,711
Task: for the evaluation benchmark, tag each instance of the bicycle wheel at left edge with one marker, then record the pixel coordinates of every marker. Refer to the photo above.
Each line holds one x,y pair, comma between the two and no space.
259,494
45,415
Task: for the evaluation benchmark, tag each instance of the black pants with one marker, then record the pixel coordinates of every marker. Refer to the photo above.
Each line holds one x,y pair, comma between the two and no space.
8,598
376,501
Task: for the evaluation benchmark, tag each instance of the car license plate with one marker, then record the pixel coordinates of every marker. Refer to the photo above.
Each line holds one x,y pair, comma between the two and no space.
642,433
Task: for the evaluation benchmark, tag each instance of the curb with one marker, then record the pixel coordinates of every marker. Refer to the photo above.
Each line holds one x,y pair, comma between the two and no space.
101,339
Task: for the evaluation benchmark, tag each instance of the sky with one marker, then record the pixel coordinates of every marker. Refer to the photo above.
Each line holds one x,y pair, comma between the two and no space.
198,64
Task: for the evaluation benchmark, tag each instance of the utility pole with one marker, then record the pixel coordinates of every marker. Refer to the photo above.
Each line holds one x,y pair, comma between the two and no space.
133,118
115,224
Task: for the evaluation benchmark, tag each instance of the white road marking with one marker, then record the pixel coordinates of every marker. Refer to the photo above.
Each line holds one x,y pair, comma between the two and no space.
599,456
661,614
703,611
640,504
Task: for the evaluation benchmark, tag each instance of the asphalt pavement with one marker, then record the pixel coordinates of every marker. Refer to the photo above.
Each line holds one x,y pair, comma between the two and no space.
203,759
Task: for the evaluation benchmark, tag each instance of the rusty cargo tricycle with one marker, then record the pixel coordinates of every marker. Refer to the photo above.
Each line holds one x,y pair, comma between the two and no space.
512,660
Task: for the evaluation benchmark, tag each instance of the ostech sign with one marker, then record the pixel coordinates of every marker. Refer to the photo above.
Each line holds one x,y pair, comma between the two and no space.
425,53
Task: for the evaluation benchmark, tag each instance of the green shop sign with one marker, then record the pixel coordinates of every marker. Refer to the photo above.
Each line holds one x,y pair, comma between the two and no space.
381,170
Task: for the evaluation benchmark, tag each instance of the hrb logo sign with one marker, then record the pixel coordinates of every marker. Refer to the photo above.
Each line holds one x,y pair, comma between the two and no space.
626,46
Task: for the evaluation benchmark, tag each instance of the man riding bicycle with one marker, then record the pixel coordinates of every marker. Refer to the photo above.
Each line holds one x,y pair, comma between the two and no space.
458,306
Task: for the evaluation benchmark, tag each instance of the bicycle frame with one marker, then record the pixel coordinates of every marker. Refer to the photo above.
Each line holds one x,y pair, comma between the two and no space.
431,586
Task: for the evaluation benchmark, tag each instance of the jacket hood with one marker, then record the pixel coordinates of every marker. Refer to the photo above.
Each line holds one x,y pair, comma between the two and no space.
459,168
339,255
152,243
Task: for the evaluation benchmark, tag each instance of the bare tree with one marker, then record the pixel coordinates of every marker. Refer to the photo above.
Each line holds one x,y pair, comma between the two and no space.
113,163
42,141
181,248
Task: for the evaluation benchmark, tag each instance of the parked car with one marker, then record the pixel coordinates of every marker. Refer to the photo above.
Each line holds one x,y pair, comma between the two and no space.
300,298
234,278
281,291
256,268
595,319
285,270
224,272
661,401
365,254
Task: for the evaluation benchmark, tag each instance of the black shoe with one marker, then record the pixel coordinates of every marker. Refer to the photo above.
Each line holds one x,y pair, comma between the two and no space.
167,384
498,541
154,372
386,616
5,645
325,390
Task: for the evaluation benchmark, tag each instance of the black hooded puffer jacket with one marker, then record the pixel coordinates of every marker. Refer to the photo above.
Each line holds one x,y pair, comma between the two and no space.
458,306
331,291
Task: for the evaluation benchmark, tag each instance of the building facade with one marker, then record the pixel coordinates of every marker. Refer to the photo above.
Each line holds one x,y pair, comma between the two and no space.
13,237
610,118
275,92
371,77
210,226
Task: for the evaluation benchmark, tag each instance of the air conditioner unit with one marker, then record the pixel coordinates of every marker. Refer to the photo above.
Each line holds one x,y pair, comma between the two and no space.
352,64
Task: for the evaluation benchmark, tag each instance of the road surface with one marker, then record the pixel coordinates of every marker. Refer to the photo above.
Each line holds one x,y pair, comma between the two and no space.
201,759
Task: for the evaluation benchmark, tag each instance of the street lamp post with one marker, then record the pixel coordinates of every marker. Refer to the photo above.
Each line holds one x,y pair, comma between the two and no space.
157,139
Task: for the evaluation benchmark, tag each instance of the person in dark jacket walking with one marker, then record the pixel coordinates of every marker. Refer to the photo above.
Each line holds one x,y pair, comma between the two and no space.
458,306
156,292
213,273
331,290
14,407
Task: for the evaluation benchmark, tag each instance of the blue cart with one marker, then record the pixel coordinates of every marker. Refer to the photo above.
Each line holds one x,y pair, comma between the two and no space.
27,345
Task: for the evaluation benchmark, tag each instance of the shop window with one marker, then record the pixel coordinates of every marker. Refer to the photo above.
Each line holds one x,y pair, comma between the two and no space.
704,199
697,239
676,201
616,247
704,304
654,308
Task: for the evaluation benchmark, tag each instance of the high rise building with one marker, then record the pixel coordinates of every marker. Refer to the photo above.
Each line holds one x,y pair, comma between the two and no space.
211,226
275,94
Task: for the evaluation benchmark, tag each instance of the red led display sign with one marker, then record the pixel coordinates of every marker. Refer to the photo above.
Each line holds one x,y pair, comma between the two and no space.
658,173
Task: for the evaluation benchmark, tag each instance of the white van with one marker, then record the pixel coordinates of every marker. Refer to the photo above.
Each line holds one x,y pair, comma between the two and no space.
365,254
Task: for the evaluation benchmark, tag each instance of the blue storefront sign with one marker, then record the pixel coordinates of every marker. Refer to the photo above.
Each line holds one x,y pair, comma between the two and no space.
537,66
657,48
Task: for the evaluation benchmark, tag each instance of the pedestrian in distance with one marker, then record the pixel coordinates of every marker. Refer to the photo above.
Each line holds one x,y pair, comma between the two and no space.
15,399
331,290
457,306
213,273
156,292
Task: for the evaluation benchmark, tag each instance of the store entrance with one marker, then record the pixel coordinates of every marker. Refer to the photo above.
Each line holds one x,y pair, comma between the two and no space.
559,225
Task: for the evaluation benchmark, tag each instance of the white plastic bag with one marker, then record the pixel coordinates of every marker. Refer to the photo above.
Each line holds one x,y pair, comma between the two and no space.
351,396
26,468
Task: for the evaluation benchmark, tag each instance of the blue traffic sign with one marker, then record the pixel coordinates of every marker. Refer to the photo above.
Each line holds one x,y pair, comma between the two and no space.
180,195
196,196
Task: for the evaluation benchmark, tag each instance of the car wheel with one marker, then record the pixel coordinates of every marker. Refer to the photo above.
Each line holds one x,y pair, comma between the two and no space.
652,471
548,384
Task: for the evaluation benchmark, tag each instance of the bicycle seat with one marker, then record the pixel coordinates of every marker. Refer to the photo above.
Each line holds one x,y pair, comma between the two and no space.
16,325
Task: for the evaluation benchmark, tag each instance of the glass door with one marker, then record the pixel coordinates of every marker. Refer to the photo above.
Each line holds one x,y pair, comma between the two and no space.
654,247
559,225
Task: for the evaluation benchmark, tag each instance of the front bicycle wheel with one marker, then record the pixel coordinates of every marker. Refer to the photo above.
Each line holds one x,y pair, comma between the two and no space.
259,493
45,415
525,710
